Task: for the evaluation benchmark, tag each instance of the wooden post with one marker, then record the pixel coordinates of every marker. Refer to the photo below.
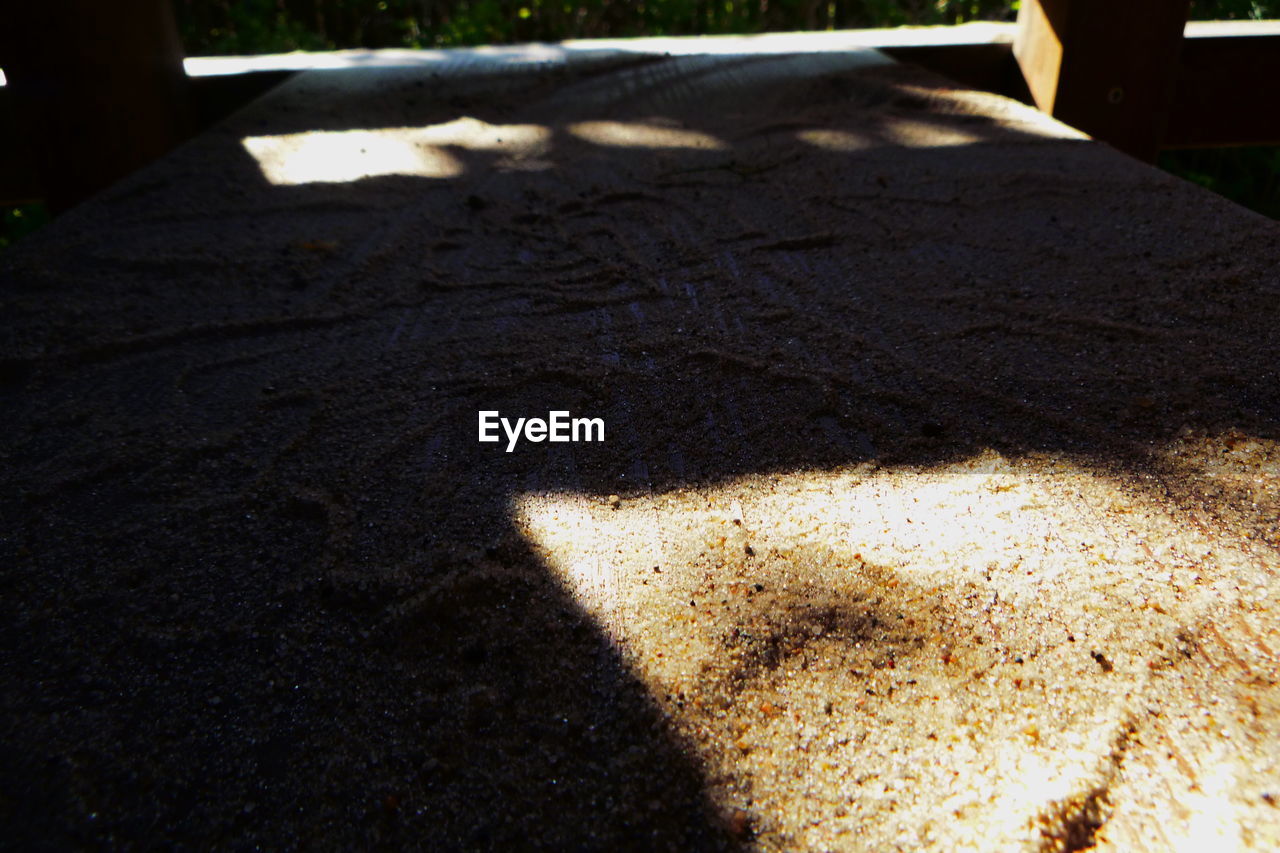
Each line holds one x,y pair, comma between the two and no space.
98,89
1105,67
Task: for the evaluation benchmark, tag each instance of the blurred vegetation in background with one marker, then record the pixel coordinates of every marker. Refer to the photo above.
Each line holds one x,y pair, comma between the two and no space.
211,27
18,220
1250,176
253,26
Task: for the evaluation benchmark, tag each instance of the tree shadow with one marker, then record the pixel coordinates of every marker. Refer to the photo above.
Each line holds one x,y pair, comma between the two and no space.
264,585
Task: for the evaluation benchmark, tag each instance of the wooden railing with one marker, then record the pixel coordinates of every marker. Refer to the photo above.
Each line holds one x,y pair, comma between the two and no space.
89,101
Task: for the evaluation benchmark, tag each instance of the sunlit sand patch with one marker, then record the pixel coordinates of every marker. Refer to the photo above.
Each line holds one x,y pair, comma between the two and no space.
1244,466
923,134
959,657
834,140
349,155
629,134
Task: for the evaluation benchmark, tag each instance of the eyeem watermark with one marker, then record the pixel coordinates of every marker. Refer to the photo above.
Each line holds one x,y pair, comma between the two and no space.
557,427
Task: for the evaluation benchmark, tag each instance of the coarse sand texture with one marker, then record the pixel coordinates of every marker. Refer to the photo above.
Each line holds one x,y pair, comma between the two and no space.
937,506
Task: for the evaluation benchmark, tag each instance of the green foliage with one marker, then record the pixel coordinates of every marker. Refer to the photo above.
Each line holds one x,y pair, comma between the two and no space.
267,26
16,221
1249,176
213,27
259,26
1227,10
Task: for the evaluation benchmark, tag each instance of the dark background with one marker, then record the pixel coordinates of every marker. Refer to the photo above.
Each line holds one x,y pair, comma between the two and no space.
1249,176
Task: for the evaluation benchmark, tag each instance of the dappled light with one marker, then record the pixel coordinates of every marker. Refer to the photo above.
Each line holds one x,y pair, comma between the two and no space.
900,629
934,506
348,155
913,134
834,140
619,134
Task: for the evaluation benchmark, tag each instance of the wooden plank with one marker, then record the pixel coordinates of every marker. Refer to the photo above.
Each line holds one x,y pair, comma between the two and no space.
1106,68
988,66
1227,92
213,98
1219,29
19,182
164,360
98,89
216,97
1038,49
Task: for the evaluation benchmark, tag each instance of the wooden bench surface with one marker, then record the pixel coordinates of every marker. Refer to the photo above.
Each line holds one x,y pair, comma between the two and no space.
936,507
